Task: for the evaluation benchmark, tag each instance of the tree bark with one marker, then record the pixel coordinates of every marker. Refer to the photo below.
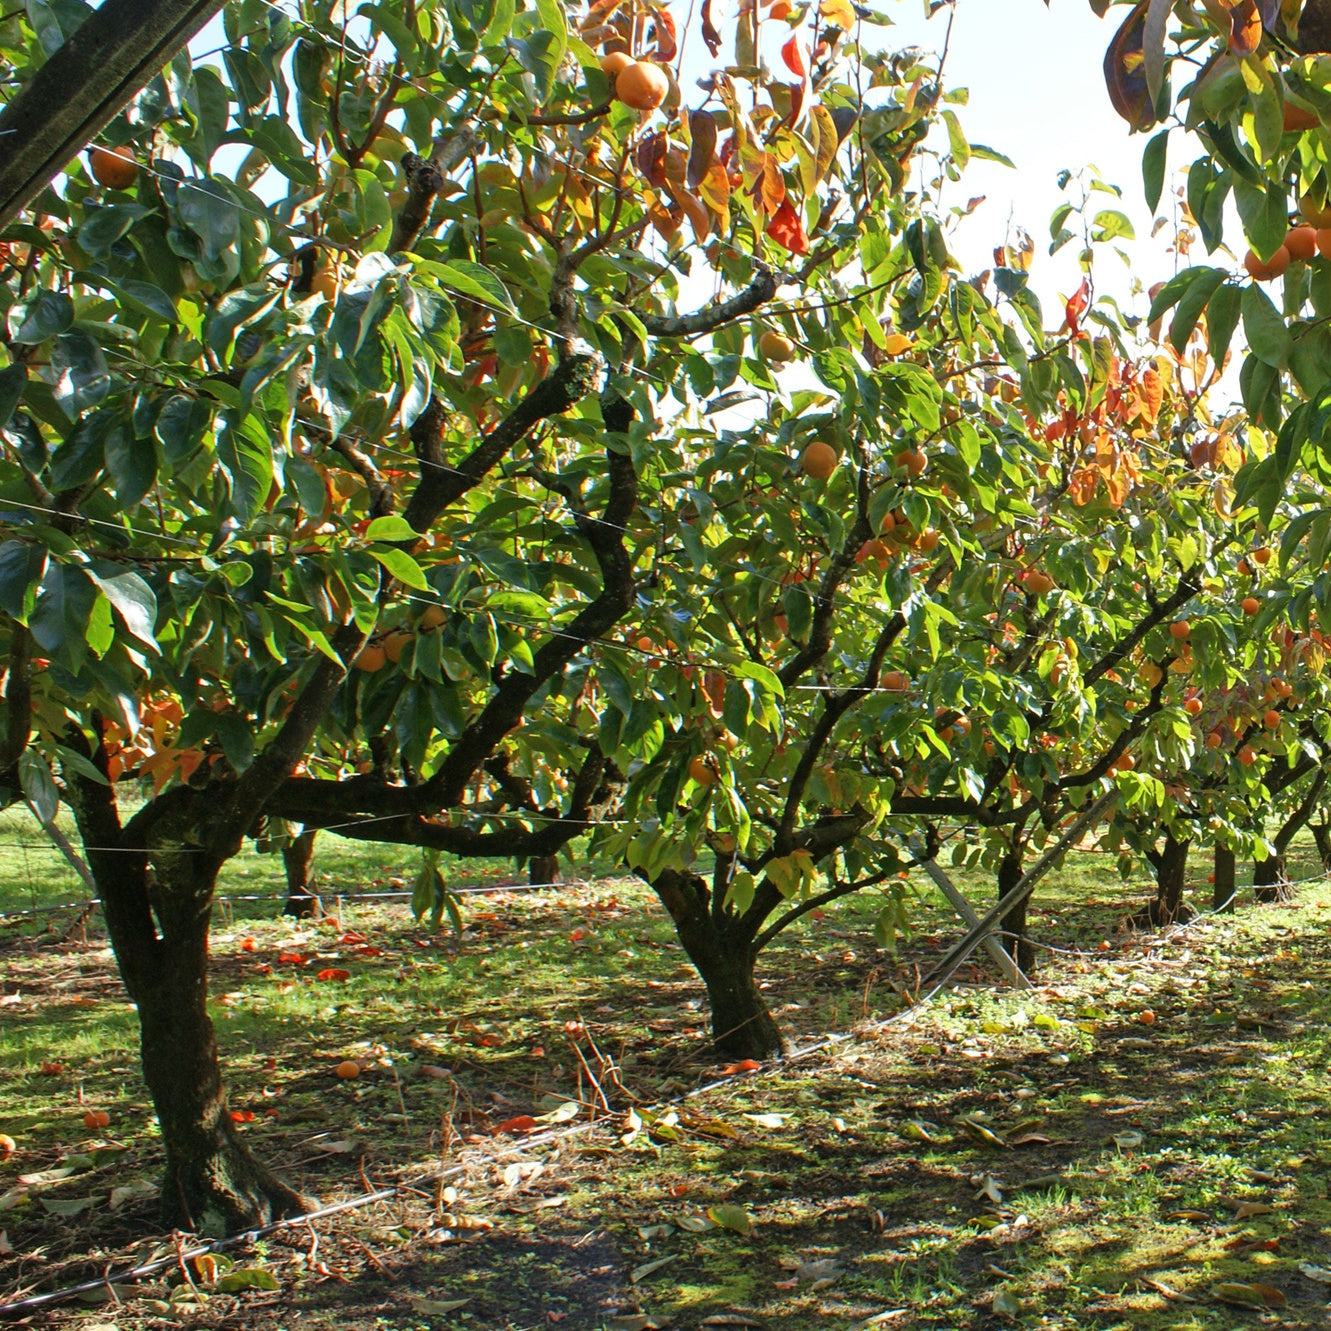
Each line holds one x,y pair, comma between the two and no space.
542,870
212,1184
1170,863
720,944
297,860
1013,925
157,902
1224,892
1270,882
1322,837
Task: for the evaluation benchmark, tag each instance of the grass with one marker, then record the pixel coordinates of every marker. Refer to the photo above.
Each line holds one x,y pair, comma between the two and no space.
1041,1159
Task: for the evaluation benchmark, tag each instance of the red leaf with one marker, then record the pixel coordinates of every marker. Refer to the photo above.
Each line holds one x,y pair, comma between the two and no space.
242,1116
744,1065
1076,307
522,1123
793,54
370,951
52,1069
248,945
333,973
651,158
353,937
294,959
787,230
667,39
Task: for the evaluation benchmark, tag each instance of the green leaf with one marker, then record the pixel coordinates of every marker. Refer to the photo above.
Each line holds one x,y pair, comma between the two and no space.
247,458
1265,214
1153,168
474,280
132,463
47,314
22,568
1268,337
246,1277
13,380
1191,304
131,598
1222,317
391,528
80,374
402,566
39,787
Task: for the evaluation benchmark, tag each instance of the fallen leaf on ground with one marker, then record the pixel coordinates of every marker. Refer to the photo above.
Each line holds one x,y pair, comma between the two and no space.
1245,1209
731,1217
650,1268
435,1307
519,1123
1165,1291
1249,1296
1318,1273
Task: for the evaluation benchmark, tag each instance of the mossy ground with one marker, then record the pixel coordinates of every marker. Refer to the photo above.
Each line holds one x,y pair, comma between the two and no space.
1044,1159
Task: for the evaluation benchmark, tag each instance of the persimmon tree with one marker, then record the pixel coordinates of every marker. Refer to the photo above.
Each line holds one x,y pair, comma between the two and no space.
336,393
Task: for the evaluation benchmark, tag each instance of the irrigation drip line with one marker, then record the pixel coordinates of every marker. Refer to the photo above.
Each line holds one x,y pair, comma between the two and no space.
470,890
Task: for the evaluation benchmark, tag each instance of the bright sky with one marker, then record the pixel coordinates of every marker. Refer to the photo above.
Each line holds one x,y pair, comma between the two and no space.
1038,96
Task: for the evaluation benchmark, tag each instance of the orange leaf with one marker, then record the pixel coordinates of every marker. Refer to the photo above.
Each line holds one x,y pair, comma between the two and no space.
1076,306
787,229
333,973
294,959
248,945
1245,33
242,1116
744,1065
793,54
522,1123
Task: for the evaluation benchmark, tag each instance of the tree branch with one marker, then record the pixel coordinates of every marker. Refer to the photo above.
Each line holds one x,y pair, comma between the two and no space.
758,292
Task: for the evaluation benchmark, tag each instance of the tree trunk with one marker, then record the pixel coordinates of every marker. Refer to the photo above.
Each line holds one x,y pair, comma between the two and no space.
721,947
1170,863
212,1183
1270,881
158,906
542,870
1222,897
1322,837
297,860
1013,925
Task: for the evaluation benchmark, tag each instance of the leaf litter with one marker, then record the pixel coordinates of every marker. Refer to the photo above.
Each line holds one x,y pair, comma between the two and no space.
835,1218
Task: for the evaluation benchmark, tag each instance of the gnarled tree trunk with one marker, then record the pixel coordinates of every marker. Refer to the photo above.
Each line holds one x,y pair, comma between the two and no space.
720,944
157,903
1170,863
298,860
1270,882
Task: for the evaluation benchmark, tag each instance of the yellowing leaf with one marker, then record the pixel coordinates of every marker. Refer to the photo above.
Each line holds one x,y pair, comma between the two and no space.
839,13
731,1217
